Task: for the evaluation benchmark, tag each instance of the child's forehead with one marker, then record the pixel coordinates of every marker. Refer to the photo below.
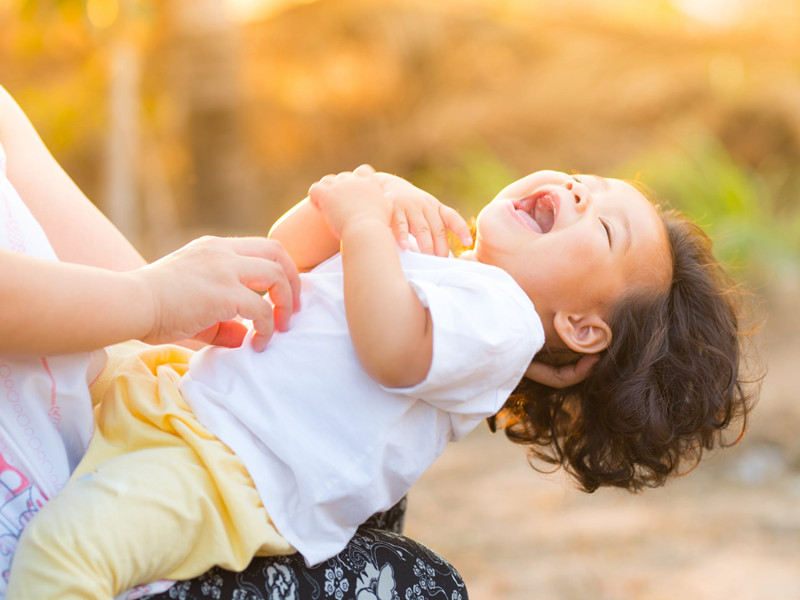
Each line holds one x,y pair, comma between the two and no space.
609,185
597,182
592,179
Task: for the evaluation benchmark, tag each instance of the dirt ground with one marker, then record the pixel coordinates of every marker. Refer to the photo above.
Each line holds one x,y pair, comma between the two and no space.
730,529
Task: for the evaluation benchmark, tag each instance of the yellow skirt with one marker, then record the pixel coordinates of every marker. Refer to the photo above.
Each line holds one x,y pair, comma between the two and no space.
156,496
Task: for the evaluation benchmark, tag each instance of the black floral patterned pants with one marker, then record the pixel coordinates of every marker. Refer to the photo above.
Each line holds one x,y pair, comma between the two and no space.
378,564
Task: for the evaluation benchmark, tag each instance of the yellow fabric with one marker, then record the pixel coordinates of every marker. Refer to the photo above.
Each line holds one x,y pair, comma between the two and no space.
156,496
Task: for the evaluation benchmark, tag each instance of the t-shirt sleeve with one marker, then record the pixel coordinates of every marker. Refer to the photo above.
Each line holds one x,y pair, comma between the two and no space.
485,334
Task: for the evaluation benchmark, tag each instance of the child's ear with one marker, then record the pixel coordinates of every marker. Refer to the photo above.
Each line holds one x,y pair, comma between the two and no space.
587,334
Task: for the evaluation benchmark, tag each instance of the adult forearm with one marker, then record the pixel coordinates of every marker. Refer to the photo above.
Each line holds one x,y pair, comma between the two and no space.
68,307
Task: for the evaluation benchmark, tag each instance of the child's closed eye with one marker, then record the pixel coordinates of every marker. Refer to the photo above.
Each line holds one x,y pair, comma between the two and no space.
607,228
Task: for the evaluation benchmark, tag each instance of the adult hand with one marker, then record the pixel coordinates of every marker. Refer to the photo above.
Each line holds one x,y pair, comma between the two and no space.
199,290
564,376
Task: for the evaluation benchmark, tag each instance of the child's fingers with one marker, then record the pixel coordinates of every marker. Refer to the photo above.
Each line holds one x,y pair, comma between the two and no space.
314,194
364,170
317,189
438,229
419,227
456,223
399,225
429,230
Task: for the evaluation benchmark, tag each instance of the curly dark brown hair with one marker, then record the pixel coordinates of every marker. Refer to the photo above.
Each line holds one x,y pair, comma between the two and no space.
662,392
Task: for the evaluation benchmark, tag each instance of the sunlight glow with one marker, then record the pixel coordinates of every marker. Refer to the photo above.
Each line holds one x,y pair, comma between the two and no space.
102,13
249,10
713,12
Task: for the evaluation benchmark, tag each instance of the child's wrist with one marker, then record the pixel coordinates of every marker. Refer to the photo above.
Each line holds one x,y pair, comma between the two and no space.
360,225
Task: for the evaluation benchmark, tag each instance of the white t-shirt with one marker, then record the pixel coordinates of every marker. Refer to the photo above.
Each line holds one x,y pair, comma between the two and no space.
325,445
45,409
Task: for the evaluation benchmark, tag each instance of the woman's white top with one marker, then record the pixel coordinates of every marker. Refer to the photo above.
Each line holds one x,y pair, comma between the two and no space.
325,445
45,407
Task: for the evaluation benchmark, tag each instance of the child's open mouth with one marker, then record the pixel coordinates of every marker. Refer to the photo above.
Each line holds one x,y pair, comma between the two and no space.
537,211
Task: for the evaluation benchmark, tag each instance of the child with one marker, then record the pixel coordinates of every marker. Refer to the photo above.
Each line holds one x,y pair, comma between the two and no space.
393,355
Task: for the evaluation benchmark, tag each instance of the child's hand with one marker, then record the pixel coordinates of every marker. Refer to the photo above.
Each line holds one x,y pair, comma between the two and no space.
350,196
564,376
417,212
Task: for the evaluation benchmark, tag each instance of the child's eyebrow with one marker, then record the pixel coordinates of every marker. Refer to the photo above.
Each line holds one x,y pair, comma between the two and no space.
596,180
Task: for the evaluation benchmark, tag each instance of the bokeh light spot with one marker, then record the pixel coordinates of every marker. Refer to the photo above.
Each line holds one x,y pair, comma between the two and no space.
102,13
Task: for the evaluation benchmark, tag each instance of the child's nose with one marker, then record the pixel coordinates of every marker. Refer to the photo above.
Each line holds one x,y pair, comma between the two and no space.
580,193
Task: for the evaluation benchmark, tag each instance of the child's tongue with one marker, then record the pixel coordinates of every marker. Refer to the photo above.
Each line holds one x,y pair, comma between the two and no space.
529,220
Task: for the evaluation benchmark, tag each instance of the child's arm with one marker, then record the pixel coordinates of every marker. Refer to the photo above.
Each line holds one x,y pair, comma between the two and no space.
305,235
390,328
307,238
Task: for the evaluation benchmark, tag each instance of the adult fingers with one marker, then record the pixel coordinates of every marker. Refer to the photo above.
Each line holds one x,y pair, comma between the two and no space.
561,377
260,275
262,332
275,282
263,316
229,334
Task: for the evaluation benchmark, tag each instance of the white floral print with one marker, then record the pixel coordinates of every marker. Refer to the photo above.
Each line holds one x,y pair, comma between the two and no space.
335,583
376,565
375,584
281,583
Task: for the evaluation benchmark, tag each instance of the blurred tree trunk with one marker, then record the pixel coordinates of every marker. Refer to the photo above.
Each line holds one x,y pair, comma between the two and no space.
204,83
122,205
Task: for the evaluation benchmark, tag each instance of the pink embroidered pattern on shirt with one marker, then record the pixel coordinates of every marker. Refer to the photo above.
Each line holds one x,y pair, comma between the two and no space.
19,501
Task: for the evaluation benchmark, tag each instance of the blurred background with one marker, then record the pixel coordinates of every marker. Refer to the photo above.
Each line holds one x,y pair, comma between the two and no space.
185,117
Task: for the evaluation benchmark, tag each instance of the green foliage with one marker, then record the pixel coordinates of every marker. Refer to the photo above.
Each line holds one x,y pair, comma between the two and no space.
467,180
735,204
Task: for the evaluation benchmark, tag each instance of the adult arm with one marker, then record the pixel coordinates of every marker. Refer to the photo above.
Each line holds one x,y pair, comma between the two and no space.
76,229
54,307
108,294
